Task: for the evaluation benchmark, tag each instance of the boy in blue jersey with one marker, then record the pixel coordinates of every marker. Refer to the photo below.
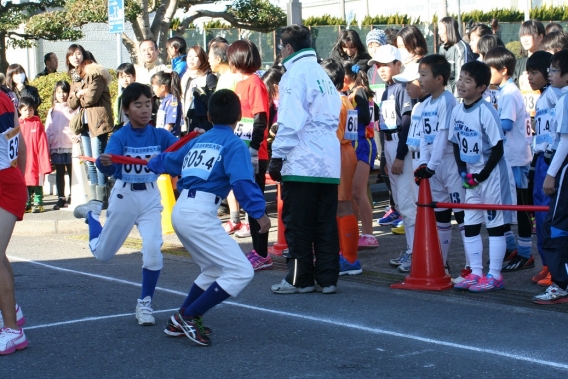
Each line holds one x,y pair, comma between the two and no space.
477,137
555,229
210,166
516,124
135,198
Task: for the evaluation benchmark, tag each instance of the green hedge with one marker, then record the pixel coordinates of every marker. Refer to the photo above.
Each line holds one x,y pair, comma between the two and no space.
46,84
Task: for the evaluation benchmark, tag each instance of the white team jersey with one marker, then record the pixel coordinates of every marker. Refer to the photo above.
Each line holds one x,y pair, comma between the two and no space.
435,117
413,140
517,141
561,114
9,146
475,131
545,124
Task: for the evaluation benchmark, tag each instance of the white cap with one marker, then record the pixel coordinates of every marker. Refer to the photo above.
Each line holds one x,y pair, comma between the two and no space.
385,54
409,74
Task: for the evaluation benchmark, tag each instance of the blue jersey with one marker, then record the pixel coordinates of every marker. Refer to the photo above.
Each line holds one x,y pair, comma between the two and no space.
170,112
215,162
137,143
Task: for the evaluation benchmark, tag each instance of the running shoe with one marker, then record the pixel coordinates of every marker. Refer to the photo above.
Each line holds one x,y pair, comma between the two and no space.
328,290
398,227
144,312
243,232
192,328
12,340
60,204
547,281
176,331
346,268
467,282
552,295
20,319
390,216
541,275
488,283
405,264
286,288
259,263
95,206
38,209
464,273
518,263
401,257
367,242
230,227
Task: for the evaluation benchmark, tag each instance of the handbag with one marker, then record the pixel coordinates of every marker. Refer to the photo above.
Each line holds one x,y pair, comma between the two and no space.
76,123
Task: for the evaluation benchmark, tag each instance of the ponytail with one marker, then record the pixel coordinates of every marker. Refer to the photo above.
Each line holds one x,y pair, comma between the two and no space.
171,80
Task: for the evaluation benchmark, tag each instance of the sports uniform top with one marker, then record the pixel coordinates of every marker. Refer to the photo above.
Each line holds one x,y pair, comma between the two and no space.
254,100
170,112
434,142
365,110
511,106
545,120
308,115
10,135
476,131
394,104
413,140
215,162
137,143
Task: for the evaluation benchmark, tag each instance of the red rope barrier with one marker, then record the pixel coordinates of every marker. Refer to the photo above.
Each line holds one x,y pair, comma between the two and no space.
489,207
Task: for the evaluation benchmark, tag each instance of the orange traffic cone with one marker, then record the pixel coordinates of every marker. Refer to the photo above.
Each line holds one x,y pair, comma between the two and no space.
427,269
280,244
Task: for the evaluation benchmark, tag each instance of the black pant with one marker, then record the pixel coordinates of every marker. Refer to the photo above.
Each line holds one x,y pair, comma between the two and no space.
555,231
259,241
309,215
60,178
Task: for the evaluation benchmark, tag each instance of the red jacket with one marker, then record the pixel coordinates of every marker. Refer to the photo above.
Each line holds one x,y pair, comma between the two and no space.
37,162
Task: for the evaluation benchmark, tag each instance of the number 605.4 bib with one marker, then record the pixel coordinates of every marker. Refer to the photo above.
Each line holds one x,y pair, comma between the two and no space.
200,160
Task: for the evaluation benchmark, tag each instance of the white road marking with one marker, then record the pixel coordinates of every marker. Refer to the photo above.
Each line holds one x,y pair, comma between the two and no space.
514,355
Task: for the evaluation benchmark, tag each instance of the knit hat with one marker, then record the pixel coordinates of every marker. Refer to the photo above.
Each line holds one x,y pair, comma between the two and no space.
376,35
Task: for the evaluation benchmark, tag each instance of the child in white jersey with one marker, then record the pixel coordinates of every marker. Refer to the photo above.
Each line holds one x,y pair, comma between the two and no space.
516,124
475,131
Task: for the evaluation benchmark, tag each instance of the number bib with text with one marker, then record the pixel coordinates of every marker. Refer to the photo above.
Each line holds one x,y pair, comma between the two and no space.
530,98
542,128
244,129
413,140
469,142
160,119
13,138
200,160
137,173
430,127
388,111
351,129
494,95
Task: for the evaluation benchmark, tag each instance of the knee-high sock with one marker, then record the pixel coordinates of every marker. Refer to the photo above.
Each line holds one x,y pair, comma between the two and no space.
149,282
193,294
497,249
462,232
511,242
525,246
348,236
95,229
474,249
445,234
211,297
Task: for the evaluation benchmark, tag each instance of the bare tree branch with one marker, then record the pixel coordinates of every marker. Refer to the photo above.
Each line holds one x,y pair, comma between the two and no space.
224,15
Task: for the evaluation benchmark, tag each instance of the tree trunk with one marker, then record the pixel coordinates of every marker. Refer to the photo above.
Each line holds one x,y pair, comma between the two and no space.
131,47
3,62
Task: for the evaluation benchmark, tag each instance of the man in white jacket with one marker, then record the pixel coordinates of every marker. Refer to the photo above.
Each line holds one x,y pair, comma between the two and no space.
306,159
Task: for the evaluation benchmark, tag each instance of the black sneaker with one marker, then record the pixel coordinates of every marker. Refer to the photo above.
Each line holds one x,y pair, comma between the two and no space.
509,254
192,328
173,330
60,204
518,263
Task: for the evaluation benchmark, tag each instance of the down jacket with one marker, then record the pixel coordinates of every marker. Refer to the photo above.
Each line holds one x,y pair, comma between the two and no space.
96,101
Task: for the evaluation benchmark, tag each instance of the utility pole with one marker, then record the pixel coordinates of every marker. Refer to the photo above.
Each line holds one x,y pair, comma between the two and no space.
294,14
528,7
460,26
367,13
342,9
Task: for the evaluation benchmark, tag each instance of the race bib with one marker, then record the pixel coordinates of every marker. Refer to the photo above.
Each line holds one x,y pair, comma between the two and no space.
388,111
13,138
137,173
530,98
160,118
413,140
542,128
244,129
351,126
529,131
494,95
200,160
469,143
430,125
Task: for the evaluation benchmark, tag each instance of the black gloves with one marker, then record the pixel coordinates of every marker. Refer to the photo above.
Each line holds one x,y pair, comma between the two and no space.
274,169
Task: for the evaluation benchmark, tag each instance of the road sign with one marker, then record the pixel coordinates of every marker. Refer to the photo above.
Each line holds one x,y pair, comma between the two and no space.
116,16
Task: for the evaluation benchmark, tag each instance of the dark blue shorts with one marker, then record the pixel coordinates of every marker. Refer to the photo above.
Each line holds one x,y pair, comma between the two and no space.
366,150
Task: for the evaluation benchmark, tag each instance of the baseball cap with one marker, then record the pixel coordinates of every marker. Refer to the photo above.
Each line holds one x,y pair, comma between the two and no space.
385,54
410,74
376,35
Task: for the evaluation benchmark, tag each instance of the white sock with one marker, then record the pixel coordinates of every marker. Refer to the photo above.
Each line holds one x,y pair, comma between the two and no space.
474,250
445,234
497,248
462,232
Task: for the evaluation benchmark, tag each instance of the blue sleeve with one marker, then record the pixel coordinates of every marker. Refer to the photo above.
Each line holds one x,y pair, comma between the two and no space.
107,170
250,197
168,139
507,125
114,146
169,163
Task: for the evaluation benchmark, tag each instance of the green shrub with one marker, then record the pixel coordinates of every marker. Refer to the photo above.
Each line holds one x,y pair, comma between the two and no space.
46,84
515,48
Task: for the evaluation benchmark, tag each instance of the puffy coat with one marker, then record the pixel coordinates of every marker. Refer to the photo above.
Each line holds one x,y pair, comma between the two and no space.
57,126
96,101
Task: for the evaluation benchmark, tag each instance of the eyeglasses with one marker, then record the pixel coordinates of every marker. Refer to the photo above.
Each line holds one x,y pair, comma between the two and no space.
281,45
551,70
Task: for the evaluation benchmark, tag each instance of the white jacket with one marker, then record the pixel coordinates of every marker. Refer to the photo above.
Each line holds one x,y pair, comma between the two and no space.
308,116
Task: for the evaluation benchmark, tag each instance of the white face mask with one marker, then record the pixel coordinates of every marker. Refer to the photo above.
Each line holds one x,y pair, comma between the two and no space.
19,78
405,56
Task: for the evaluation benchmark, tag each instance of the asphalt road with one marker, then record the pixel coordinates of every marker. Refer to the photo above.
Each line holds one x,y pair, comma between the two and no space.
81,324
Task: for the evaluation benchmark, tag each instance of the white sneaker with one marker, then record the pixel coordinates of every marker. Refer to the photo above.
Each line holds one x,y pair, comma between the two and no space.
12,340
20,319
95,206
144,311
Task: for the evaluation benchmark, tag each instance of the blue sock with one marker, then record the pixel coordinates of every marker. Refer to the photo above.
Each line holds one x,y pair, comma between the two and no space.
525,247
511,242
210,298
193,294
149,282
95,227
